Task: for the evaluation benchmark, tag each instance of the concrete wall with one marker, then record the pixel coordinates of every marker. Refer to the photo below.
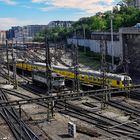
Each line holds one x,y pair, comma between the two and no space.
131,52
94,46
130,42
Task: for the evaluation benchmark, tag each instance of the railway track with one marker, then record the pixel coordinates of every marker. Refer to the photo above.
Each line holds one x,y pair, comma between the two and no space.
23,96
135,95
101,122
4,74
122,106
19,129
27,79
96,119
33,89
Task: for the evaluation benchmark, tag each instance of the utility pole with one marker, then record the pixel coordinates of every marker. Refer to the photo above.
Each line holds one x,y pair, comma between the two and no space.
7,57
103,70
20,116
112,39
55,51
48,81
23,51
14,66
48,67
84,33
76,66
103,61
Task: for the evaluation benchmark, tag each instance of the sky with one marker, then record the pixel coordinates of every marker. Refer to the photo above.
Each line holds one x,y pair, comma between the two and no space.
28,12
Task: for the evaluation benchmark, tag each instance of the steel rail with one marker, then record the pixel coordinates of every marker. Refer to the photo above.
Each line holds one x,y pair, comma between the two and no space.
10,117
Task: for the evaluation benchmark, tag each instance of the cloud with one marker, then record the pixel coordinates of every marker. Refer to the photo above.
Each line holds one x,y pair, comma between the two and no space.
6,23
39,1
10,2
26,6
45,9
88,6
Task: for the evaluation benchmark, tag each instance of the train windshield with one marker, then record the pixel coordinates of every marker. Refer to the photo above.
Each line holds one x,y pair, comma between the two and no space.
127,82
59,78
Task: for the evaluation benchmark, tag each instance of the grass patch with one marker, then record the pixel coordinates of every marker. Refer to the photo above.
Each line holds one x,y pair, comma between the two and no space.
88,61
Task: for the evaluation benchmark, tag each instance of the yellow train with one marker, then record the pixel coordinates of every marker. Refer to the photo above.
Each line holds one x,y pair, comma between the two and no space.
90,77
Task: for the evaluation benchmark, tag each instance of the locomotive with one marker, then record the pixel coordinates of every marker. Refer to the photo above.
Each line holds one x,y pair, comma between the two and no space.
57,80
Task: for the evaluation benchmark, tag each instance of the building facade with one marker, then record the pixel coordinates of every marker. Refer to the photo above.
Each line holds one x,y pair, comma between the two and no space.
65,24
25,33
130,42
10,34
2,37
135,3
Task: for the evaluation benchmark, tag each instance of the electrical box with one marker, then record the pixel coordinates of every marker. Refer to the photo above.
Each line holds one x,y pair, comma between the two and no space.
72,129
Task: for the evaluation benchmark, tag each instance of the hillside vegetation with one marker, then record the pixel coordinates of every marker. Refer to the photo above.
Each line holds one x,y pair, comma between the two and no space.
123,16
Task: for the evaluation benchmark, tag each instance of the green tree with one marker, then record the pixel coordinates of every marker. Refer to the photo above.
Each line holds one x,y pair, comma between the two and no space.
98,24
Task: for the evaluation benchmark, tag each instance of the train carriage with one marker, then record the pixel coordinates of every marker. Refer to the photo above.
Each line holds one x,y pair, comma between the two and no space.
91,77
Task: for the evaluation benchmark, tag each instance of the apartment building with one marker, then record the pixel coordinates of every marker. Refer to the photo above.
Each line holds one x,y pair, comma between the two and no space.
25,33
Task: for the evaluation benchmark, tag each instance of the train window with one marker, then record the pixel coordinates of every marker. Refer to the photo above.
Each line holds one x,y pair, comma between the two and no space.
58,78
82,76
118,82
67,74
126,82
108,81
61,72
39,73
90,78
